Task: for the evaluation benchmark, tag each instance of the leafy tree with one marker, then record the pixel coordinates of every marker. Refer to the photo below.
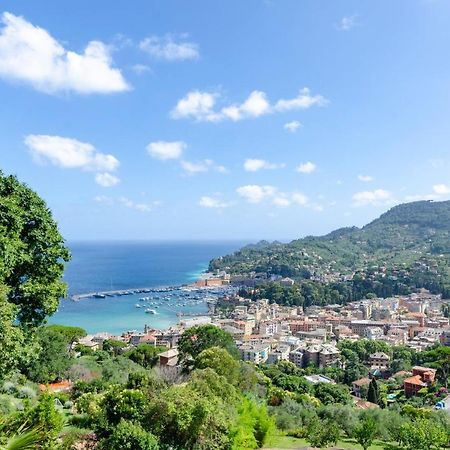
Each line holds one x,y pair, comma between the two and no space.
322,434
52,360
145,355
423,435
46,418
130,436
365,432
332,393
32,252
219,360
11,337
196,339
71,334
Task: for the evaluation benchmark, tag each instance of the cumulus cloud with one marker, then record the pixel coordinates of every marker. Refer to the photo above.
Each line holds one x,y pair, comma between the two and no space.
201,106
253,165
105,179
376,197
206,165
441,189
307,167
292,126
365,178
212,202
254,193
166,150
170,48
29,54
69,153
347,23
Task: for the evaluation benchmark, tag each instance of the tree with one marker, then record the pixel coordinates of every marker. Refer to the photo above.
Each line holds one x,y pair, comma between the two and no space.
32,252
145,355
365,432
45,417
423,435
11,336
196,339
130,436
323,433
52,360
373,394
70,334
219,360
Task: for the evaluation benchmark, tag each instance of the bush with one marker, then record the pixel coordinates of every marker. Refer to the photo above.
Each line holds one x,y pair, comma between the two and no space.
129,436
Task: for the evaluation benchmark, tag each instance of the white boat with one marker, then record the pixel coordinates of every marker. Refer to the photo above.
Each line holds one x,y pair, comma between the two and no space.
138,305
150,311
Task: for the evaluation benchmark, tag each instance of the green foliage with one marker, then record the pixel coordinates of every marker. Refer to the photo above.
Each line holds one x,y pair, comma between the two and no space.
373,394
11,337
52,360
130,436
127,404
196,339
45,417
423,435
32,252
145,355
219,360
365,432
71,334
410,242
322,434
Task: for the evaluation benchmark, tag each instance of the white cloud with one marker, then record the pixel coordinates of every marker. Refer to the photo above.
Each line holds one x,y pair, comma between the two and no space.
365,178
292,126
212,202
69,153
376,197
29,54
254,193
253,165
206,165
348,22
140,69
105,179
196,104
307,167
127,203
170,48
200,106
281,201
141,207
441,189
166,150
304,100
299,198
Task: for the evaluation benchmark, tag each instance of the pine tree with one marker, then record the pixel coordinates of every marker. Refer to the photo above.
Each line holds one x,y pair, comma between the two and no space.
373,393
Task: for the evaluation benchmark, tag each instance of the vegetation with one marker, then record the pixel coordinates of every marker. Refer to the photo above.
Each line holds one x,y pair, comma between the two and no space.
405,249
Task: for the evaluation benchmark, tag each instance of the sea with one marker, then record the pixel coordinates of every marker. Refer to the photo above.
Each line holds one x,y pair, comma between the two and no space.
107,266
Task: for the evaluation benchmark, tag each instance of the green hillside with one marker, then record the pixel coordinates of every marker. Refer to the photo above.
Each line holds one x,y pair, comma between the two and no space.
406,248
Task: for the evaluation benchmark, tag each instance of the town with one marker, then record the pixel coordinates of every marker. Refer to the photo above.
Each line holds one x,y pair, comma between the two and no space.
267,333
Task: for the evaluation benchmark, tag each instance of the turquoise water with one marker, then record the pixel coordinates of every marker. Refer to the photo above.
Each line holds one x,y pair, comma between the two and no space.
103,266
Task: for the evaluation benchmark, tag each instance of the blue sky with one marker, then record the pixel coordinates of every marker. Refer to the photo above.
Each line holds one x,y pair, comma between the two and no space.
225,120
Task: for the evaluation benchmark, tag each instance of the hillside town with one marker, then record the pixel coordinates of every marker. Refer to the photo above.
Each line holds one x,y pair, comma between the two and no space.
267,333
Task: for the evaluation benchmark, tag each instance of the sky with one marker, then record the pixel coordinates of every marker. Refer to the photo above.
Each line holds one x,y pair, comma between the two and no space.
256,119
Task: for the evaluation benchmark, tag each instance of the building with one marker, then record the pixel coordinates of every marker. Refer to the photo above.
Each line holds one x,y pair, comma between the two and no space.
445,338
359,386
280,353
296,356
254,353
169,358
379,361
421,377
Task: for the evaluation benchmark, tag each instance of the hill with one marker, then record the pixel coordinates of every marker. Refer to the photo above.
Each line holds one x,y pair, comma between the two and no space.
406,248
